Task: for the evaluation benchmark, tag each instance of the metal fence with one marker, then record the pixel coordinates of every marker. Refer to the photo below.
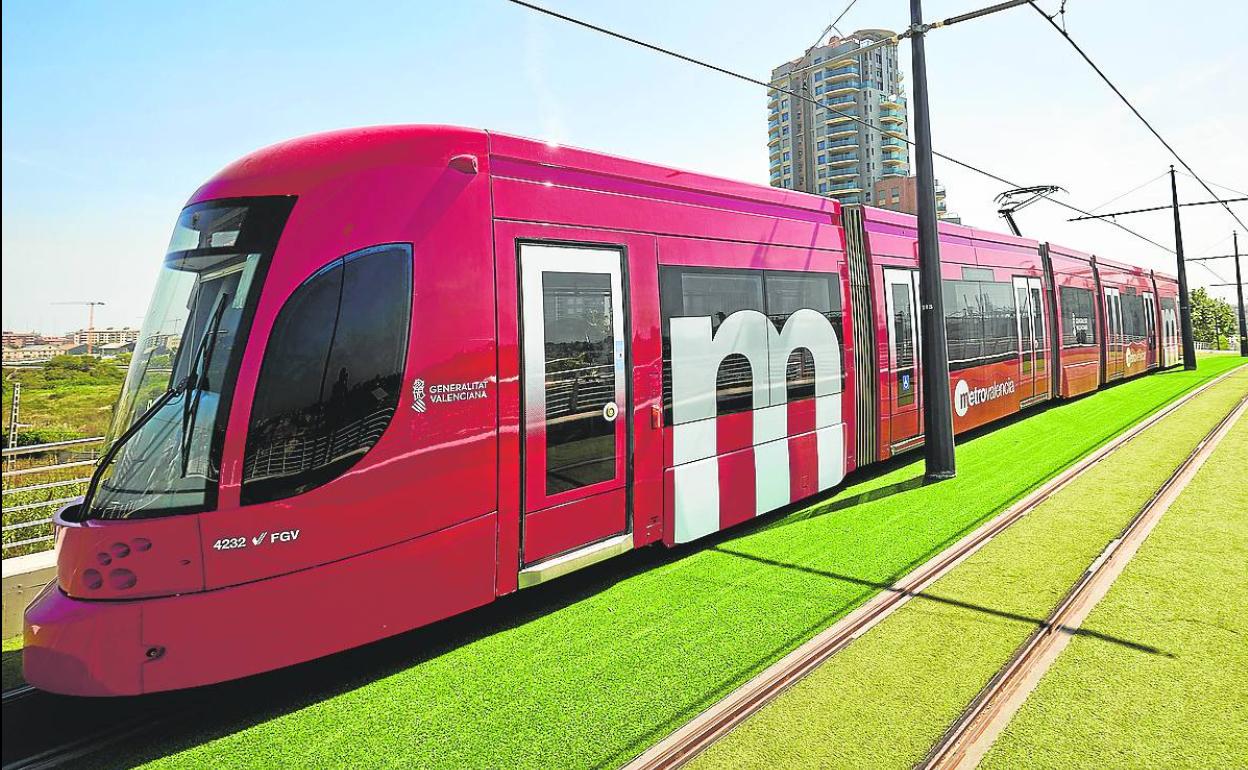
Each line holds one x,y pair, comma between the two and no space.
48,475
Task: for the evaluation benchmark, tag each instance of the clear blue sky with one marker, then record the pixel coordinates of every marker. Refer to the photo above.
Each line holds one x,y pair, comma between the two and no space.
115,112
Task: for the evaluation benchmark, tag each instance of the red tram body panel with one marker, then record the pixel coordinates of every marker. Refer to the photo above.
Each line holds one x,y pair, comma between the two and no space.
401,371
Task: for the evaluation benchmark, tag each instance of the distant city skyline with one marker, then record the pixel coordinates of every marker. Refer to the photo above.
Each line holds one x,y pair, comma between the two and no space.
115,114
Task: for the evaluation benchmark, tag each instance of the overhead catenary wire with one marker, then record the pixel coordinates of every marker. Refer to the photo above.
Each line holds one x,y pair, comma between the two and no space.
1128,192
1134,111
793,94
1215,184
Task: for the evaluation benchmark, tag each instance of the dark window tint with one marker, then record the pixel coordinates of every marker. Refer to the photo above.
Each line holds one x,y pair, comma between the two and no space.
786,294
903,327
718,294
1001,321
694,292
331,375
580,379
734,385
1133,324
1078,326
799,375
981,322
964,323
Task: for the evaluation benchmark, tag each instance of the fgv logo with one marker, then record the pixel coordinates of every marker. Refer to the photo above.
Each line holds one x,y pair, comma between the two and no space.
965,397
696,357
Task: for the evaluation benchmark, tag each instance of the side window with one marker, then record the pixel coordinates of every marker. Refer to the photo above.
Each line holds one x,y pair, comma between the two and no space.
786,294
718,294
964,323
1133,316
715,293
1000,319
331,375
1078,327
734,385
799,375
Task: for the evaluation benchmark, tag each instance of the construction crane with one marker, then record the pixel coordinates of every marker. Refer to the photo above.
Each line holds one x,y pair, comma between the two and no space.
91,304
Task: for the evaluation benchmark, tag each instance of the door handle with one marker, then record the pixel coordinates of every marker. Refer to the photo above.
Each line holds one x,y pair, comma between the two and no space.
656,417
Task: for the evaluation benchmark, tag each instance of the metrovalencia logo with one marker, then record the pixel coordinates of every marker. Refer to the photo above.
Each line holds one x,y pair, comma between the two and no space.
965,397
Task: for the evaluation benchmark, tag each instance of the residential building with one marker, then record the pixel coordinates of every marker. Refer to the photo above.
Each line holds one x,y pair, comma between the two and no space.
901,194
21,339
825,149
96,337
39,352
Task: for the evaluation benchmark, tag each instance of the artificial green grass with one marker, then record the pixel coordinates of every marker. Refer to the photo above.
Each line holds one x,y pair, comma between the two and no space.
885,699
604,671
11,663
1185,595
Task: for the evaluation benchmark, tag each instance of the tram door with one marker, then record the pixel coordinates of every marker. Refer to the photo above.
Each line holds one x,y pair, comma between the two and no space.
574,397
1115,348
1033,343
901,292
1150,329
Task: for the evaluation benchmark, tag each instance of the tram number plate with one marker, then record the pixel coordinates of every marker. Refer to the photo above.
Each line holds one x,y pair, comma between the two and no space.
232,543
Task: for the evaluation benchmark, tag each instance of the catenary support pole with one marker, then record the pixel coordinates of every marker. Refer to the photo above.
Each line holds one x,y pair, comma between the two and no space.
1239,289
1185,301
937,411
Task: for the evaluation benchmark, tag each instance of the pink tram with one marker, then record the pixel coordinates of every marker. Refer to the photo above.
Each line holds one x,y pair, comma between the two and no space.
402,371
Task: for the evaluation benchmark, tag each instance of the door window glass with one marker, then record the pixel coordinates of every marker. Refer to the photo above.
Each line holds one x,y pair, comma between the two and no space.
331,376
580,379
1037,327
1078,328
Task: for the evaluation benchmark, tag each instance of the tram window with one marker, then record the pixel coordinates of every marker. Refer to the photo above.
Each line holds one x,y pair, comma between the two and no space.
580,379
716,294
1078,324
1000,320
1133,317
786,294
799,375
964,323
903,332
331,375
734,385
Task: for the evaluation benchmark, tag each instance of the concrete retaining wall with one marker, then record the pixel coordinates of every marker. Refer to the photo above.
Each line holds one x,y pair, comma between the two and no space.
23,577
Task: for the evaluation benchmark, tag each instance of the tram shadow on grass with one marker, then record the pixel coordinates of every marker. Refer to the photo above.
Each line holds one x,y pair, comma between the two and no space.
248,702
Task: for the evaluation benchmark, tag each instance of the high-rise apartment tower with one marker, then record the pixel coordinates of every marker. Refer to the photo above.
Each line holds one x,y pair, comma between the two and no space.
821,149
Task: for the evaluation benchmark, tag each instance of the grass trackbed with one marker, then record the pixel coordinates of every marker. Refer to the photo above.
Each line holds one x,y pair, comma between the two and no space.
888,697
592,669
1183,595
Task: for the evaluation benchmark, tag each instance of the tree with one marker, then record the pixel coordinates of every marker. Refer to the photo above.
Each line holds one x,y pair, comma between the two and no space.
1213,320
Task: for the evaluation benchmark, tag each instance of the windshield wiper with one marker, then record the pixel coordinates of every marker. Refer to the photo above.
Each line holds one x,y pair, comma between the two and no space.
198,378
135,427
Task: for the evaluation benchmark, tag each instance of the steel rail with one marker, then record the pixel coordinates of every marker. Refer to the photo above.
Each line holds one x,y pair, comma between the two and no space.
695,736
14,694
85,745
969,738
687,742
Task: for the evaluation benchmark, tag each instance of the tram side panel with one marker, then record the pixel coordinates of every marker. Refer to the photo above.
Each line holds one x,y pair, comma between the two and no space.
1079,326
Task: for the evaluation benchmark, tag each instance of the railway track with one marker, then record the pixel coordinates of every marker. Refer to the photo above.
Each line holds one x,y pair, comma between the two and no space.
695,736
970,737
16,694
691,739
54,731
